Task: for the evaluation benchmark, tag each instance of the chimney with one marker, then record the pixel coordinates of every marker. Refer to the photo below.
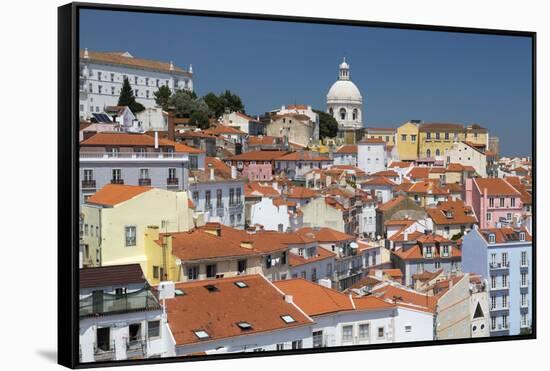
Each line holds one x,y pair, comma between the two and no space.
406,236
289,299
156,140
171,129
233,172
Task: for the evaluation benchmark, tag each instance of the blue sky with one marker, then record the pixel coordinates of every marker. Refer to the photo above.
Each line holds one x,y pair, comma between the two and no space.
402,74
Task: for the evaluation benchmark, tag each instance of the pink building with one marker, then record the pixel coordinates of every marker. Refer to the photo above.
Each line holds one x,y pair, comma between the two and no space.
258,172
494,201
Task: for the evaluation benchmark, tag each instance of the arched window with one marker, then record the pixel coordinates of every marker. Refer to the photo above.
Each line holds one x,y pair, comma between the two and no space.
342,113
331,112
428,153
437,153
354,114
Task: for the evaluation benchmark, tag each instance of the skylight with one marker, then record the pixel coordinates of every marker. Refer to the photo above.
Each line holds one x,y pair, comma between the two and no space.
244,326
241,284
201,334
288,318
179,292
211,288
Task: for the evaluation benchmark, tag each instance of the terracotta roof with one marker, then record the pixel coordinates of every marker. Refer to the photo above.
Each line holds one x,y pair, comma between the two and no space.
297,116
407,298
427,187
297,107
419,172
302,156
301,193
218,311
504,235
223,129
393,130
391,203
219,166
83,125
454,187
457,167
134,140
386,173
118,58
396,273
258,189
427,275
399,236
415,253
379,180
452,212
240,114
325,235
263,140
258,156
199,245
297,260
372,141
347,149
111,275
114,194
399,164
495,187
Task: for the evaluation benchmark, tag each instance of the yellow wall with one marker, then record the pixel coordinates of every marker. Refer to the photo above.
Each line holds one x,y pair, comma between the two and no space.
318,214
148,209
407,149
433,144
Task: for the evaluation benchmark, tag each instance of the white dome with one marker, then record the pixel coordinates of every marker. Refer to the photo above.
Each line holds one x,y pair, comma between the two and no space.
344,64
344,90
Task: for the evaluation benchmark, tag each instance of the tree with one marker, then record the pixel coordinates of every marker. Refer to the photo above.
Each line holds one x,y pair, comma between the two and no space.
226,100
328,126
127,98
162,96
200,119
185,103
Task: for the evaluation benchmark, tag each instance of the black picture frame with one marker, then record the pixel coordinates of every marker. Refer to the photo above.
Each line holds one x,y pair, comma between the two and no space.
68,209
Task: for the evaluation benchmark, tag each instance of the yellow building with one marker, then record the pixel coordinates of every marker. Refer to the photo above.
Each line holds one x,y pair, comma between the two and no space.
386,134
435,139
407,141
116,218
477,134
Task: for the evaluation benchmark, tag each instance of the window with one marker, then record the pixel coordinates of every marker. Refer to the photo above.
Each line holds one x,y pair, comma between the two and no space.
232,219
512,202
314,274
207,199
493,258
493,323
147,81
317,339
117,175
158,82
504,280
241,266
523,258
342,113
502,202
193,272
437,264
144,173
428,153
408,328
245,326
136,93
287,318
447,136
354,115
88,175
403,137
524,279
493,282
504,258
99,76
493,302
523,300
329,269
172,173
238,197
85,229
297,344
504,301
380,332
241,284
491,202
505,321
231,196
211,270
219,203
112,90
489,217
508,216
201,334
364,331
130,235
281,346
347,333
135,80
155,271
413,138
112,77
195,196
445,250
153,329
522,237
428,135
438,135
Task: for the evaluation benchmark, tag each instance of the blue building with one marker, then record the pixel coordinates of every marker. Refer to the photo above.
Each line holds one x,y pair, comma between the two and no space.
503,257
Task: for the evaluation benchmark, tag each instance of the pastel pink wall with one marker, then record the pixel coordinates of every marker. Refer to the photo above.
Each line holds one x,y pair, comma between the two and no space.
258,172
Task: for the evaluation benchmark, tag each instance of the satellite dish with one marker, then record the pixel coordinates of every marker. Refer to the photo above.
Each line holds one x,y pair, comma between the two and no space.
353,245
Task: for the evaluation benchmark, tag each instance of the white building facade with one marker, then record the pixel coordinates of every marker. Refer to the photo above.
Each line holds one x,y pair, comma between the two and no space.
102,75
371,155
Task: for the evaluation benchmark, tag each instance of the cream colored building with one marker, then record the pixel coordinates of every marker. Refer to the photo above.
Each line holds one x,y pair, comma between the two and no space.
115,219
464,153
294,127
318,213
407,141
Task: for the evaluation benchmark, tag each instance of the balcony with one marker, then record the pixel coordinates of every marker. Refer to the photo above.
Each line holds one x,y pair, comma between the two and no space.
107,304
104,352
524,283
524,264
172,182
497,266
117,181
88,185
144,182
136,348
525,323
524,303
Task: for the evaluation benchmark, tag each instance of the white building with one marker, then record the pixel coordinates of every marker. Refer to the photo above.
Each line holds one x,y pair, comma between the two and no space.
244,123
120,318
302,109
102,75
371,155
467,155
153,119
344,101
272,214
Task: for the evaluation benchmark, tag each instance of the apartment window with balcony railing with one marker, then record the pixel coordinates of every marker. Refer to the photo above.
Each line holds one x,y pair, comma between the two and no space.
140,152
117,176
524,258
144,177
113,151
493,258
505,321
493,302
493,282
504,301
238,196
523,279
493,323
523,300
504,281
524,320
504,258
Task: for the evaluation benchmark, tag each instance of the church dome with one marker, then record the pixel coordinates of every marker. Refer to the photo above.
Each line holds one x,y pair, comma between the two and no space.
344,90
